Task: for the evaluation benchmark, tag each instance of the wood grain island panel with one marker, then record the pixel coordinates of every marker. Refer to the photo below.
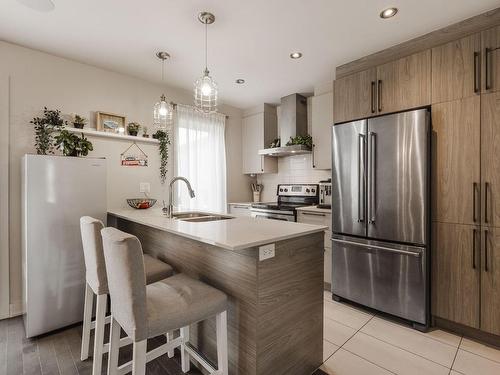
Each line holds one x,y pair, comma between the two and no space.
275,317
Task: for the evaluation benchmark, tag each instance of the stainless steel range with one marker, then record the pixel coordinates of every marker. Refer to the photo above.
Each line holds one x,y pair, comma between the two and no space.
290,196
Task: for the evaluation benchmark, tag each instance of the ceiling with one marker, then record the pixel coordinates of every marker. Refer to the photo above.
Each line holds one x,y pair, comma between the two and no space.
249,39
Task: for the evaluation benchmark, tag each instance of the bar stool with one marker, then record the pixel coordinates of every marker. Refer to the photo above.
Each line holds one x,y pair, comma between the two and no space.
145,311
96,283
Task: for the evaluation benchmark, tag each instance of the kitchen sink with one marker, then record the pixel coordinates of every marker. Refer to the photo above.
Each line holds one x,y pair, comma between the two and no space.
187,215
207,218
199,217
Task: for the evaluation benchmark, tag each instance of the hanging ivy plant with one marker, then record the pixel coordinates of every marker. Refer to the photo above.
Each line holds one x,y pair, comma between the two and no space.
164,139
44,130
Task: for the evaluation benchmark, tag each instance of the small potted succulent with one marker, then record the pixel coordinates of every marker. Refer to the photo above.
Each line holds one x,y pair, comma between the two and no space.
145,132
133,128
79,121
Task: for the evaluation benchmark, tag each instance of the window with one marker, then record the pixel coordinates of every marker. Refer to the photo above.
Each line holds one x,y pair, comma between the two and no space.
200,156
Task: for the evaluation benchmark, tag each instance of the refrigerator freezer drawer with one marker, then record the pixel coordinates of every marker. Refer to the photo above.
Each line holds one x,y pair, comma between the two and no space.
387,277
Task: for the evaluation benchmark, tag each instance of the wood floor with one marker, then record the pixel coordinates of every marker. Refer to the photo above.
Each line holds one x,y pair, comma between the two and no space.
59,353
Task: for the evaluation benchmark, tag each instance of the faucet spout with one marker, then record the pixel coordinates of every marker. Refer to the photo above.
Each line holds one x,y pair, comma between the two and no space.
170,208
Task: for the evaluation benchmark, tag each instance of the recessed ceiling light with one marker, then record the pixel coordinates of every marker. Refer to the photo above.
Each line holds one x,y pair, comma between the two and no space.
388,13
296,55
240,81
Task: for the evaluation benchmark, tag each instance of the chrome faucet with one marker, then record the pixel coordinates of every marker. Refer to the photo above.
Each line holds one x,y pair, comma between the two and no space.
169,210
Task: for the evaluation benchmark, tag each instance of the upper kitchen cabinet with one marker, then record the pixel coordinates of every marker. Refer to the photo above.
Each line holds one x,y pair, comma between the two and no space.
456,69
354,96
259,130
404,83
490,41
321,122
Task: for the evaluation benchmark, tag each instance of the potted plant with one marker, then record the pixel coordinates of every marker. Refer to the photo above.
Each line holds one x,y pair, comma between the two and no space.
79,121
164,140
72,145
44,130
305,140
145,132
133,128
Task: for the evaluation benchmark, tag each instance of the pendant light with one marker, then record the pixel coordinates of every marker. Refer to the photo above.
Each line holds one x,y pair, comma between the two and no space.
205,88
163,111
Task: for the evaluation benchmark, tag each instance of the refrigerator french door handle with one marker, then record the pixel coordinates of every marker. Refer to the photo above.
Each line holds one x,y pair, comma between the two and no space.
376,247
361,184
373,176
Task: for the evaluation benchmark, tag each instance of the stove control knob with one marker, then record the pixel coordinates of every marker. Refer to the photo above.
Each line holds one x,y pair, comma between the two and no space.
314,191
281,190
307,190
286,190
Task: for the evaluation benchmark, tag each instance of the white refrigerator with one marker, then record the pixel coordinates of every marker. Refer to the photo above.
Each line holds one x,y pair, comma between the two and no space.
56,192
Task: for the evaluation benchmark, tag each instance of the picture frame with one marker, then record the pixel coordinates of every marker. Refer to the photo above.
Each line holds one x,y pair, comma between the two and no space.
110,122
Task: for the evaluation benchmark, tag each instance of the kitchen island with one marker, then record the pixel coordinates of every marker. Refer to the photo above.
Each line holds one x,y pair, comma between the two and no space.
275,315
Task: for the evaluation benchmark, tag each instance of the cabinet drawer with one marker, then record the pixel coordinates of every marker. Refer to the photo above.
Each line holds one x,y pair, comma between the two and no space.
239,210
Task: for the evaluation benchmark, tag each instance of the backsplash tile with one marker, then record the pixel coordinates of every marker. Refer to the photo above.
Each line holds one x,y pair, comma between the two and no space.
291,170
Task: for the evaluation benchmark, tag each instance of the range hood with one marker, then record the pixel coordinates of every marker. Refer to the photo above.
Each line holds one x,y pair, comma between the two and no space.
292,122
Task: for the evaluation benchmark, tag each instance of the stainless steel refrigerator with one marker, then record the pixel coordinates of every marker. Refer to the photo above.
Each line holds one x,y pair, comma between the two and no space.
381,214
56,192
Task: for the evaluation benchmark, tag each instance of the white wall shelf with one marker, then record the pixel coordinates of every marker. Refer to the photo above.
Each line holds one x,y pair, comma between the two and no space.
95,133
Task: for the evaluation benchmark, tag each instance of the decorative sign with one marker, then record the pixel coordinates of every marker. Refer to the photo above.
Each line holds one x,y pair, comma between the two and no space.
133,156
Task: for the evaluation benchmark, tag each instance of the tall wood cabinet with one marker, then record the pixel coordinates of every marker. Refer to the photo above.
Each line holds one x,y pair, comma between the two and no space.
466,183
392,87
490,43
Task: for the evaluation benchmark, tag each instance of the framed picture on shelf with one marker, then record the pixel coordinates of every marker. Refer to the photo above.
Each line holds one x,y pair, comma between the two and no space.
110,122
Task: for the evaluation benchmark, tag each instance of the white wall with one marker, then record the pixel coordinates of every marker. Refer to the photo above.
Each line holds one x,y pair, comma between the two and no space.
291,170
38,79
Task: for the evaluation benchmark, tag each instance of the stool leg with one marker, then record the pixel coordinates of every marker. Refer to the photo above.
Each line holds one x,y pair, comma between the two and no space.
114,347
139,358
170,337
222,362
87,319
102,301
185,365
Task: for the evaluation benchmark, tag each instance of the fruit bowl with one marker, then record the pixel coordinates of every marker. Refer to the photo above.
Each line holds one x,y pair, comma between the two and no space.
141,203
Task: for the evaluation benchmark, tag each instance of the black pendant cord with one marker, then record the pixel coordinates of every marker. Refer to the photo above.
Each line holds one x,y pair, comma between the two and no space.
206,45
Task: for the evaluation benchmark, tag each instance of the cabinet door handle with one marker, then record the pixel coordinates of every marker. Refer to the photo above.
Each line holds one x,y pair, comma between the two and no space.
486,187
474,232
379,95
373,97
487,52
312,214
474,189
486,250
262,163
476,72
313,148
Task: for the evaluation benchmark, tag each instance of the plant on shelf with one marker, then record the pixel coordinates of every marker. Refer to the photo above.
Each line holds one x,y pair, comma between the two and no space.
305,140
44,130
133,128
164,140
79,121
145,132
72,145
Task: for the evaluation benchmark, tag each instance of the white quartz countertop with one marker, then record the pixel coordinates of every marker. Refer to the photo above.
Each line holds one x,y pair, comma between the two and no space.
315,209
232,234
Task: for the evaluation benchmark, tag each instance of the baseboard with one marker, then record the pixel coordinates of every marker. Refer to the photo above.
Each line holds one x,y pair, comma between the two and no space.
473,333
16,308
327,286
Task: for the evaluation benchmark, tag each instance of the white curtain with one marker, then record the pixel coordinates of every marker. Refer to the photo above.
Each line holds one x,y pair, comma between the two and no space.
200,156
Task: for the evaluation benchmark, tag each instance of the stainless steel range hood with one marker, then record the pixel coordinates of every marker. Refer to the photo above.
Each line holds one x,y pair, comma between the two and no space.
292,122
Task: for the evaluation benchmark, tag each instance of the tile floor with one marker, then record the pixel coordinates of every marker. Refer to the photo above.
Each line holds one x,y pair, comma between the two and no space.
357,342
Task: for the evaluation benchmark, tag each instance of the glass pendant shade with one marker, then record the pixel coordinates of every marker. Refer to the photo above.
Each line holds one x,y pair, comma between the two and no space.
163,113
205,93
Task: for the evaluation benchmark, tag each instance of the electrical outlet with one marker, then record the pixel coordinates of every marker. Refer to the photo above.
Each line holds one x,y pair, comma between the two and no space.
144,187
266,252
